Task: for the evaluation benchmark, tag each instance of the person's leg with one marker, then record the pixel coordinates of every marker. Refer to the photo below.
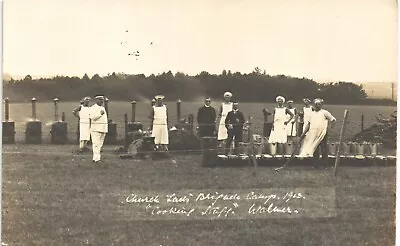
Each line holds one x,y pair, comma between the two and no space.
81,145
229,142
95,143
238,138
324,149
102,136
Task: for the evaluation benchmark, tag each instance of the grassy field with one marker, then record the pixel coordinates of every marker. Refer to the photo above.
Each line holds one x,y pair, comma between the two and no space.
52,197
21,113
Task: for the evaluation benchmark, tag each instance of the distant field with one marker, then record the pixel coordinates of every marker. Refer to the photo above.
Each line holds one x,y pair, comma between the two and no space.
21,112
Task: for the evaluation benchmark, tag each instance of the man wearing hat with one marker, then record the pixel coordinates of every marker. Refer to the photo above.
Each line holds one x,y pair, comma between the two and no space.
206,119
99,126
234,124
226,107
83,114
159,121
316,132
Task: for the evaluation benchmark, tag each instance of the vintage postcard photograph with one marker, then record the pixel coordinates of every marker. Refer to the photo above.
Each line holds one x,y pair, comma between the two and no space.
188,122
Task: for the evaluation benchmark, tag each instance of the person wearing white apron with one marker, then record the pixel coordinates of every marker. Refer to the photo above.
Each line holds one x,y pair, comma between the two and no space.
160,124
307,109
316,132
291,127
279,133
99,127
226,107
83,113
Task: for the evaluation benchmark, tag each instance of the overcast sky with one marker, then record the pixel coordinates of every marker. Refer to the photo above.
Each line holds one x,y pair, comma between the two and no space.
326,40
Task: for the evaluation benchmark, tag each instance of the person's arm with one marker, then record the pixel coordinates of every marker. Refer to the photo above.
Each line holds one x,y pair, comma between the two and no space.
199,115
214,115
75,112
242,120
291,116
166,109
305,130
228,120
99,116
330,117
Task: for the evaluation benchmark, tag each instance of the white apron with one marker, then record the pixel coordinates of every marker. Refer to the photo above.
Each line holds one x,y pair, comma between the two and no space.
291,127
306,118
278,133
84,123
222,131
318,127
160,128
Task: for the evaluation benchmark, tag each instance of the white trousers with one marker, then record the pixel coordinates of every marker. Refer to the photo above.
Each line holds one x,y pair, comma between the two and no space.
97,142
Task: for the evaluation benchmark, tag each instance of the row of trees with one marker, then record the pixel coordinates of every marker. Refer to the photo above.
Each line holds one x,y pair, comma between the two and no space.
253,87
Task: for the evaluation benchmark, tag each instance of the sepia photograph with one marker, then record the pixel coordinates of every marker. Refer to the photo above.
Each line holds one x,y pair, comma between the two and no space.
188,122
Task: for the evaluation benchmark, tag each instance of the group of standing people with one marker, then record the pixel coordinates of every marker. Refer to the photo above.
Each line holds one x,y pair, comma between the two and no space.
315,124
284,128
93,123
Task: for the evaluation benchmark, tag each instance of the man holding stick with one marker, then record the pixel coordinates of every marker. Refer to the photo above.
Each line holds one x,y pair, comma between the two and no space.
316,133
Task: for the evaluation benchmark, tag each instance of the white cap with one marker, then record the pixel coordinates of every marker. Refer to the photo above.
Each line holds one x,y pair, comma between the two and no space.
280,98
99,97
318,100
159,97
290,101
227,94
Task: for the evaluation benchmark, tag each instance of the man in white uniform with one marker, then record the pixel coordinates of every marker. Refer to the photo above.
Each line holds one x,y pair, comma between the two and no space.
159,118
99,126
316,133
225,108
82,113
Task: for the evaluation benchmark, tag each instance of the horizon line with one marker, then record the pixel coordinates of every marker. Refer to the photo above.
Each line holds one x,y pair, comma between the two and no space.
104,75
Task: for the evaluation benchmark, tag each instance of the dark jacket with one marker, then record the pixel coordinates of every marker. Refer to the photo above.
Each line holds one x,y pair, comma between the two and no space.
236,119
206,115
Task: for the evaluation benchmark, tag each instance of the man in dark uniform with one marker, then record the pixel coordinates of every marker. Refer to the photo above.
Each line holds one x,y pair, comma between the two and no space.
206,118
234,123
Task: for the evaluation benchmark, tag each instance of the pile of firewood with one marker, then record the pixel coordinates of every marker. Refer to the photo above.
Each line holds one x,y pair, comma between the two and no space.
383,131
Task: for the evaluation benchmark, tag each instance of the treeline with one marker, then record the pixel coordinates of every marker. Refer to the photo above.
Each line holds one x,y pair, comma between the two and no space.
253,87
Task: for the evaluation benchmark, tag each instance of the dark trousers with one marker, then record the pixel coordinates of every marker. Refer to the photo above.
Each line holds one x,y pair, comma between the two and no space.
236,133
207,130
322,149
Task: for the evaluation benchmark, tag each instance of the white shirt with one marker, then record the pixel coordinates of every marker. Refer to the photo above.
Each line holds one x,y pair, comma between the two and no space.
84,114
99,122
319,119
160,115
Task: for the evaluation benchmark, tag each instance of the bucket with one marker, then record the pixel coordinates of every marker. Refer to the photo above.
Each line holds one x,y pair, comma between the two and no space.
272,148
360,149
332,148
259,147
243,148
367,148
346,148
289,147
375,148
353,148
